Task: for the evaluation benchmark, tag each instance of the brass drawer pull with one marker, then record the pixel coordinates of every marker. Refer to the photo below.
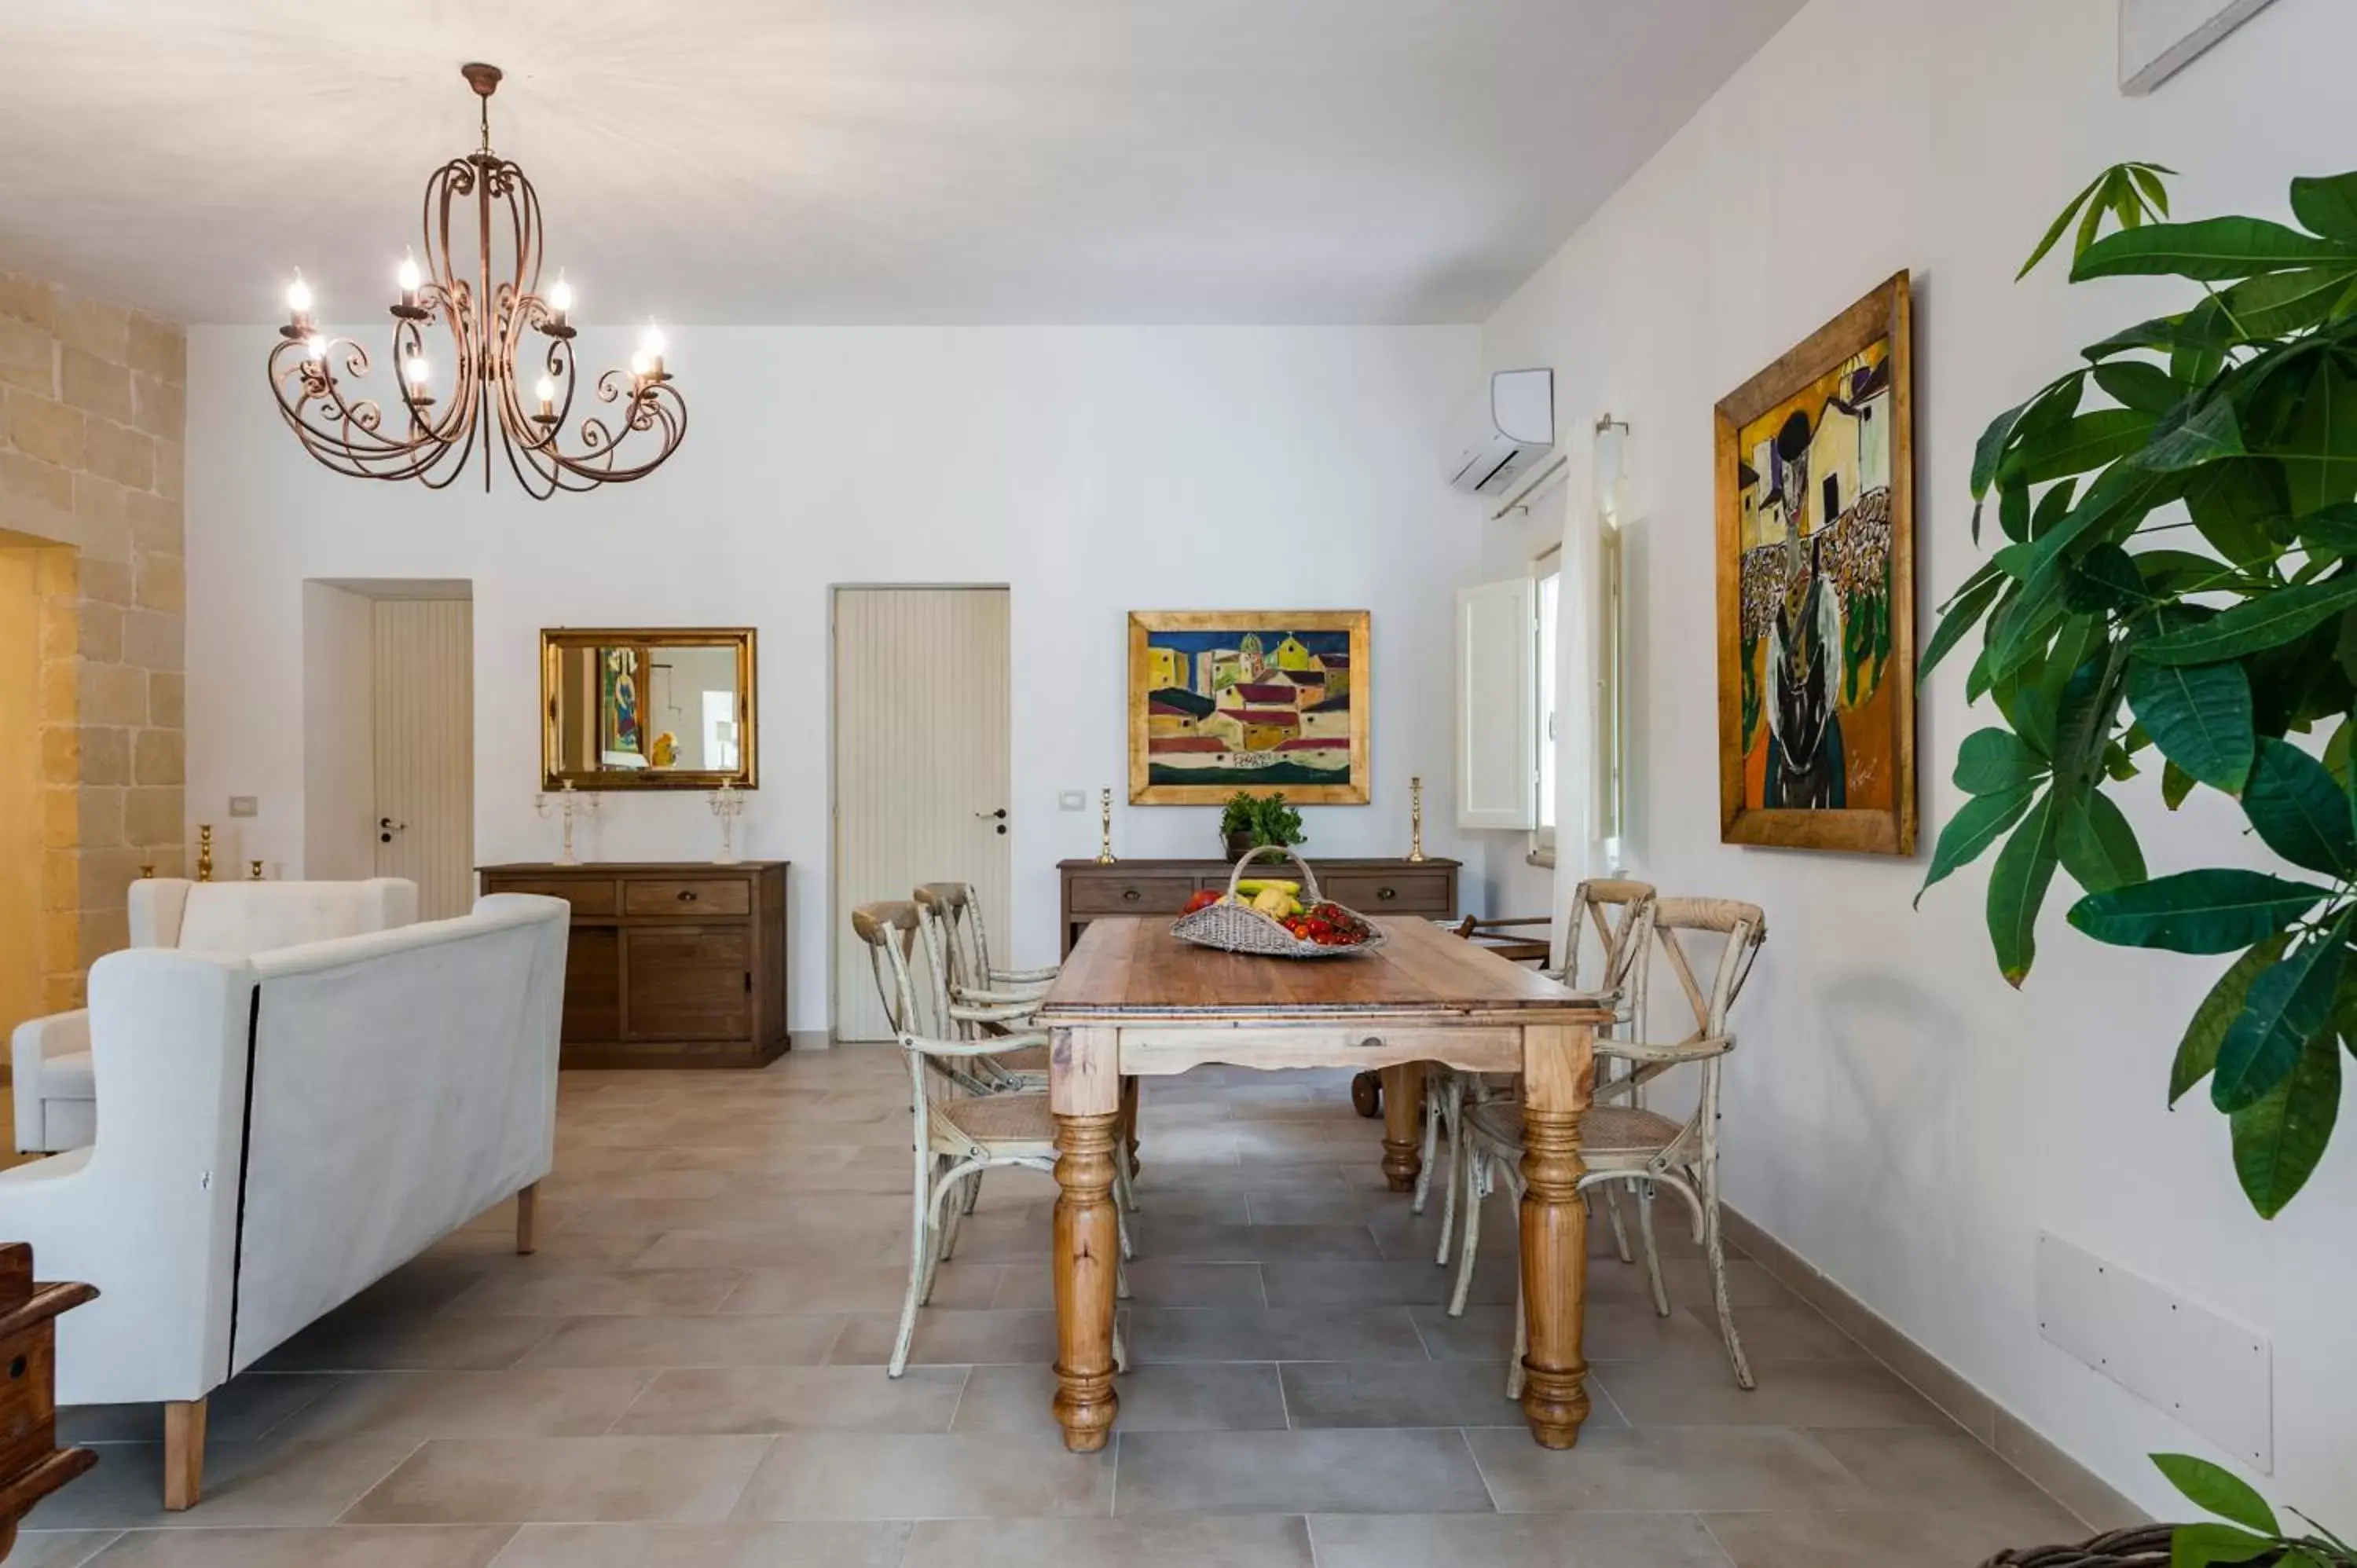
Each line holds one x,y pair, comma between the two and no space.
1387,892
1131,894
687,895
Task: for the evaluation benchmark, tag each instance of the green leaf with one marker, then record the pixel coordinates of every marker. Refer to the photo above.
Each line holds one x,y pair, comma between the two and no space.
2197,1053
2160,332
2299,811
2205,436
1959,618
2139,384
2200,716
2013,512
2286,1007
2175,785
2279,1139
2060,223
2320,454
2331,532
2097,846
2239,506
2327,205
2269,621
1993,761
1992,444
2216,1490
2028,710
2105,578
2025,868
2076,446
2203,1545
2217,909
1975,826
2147,178
2052,506
2276,304
2211,250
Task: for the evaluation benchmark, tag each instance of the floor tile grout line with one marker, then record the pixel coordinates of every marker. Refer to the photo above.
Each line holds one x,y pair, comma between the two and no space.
365,1492
1704,1520
958,1403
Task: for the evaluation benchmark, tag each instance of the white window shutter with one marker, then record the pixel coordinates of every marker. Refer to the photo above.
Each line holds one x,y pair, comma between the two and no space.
1497,764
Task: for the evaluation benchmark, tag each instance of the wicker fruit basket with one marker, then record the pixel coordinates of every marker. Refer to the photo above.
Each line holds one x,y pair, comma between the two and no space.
2144,1547
1239,928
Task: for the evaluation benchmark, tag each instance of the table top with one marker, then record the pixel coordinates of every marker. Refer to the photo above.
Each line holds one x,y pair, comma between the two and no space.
1132,968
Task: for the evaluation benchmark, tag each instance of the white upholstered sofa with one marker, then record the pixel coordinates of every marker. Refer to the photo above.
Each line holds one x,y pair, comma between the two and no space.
282,1131
57,1105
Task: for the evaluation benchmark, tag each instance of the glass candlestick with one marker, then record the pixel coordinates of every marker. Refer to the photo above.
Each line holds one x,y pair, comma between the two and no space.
726,805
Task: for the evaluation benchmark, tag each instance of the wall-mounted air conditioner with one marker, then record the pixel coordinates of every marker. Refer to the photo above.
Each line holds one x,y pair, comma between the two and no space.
1505,426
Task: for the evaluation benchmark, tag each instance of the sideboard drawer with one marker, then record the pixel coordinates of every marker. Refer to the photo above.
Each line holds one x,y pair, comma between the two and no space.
698,900
587,897
1131,894
1392,892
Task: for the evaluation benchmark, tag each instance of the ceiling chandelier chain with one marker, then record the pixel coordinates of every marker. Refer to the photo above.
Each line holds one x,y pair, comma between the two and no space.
491,319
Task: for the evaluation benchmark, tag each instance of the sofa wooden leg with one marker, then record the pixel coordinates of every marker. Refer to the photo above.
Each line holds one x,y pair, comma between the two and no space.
184,1454
527,1211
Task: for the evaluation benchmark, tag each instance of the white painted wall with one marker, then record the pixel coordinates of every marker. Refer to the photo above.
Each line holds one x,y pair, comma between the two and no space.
1897,1114
1093,470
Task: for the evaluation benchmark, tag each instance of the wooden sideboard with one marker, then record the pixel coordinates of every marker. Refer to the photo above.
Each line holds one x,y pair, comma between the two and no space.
671,964
32,1466
1423,888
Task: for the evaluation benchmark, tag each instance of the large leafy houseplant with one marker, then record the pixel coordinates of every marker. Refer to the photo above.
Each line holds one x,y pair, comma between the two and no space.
2178,573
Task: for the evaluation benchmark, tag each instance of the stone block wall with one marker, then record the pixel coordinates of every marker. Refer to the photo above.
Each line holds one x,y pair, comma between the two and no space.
93,417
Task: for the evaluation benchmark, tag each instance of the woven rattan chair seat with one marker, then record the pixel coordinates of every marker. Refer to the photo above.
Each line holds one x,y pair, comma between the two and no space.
1000,1118
1604,1129
1027,1058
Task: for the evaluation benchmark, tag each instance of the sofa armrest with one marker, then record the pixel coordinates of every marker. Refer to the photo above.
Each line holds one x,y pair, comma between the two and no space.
36,1043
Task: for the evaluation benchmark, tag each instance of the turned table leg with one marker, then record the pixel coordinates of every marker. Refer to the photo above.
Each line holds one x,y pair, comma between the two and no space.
1402,1124
1085,1095
1555,1093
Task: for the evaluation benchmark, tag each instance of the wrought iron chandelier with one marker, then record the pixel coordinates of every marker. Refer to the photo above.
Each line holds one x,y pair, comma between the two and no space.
491,319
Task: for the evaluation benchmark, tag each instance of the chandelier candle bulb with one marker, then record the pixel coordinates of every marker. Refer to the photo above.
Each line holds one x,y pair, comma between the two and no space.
407,279
560,306
546,392
651,349
298,308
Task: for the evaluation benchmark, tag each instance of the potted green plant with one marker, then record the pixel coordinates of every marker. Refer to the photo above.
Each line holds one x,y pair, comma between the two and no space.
2251,1532
2176,574
1247,824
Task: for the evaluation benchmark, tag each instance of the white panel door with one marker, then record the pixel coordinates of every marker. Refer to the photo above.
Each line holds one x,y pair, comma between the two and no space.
423,681
921,767
1497,722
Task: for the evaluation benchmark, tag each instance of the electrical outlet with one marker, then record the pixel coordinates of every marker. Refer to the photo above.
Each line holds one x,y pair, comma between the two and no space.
1072,800
245,806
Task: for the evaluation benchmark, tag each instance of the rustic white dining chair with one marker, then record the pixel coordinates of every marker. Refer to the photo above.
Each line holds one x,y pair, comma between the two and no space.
965,1124
953,929
1621,1142
1619,914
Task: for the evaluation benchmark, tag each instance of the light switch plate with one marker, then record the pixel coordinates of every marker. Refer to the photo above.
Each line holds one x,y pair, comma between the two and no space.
1072,800
244,805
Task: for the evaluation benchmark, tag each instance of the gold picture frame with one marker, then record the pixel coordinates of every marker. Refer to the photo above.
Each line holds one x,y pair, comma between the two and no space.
1203,724
594,684
1816,589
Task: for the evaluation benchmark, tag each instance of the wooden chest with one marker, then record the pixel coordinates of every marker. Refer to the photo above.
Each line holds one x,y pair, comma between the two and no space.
668,964
1423,888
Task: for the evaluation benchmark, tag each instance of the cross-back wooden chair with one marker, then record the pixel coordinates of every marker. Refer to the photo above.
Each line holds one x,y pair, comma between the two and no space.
1620,1141
1613,915
951,924
967,1122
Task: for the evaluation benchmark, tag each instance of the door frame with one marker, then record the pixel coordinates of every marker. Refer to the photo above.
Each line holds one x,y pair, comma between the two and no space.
836,928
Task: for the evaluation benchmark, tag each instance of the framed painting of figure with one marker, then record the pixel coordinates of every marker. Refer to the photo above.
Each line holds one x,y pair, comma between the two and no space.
1816,591
1265,701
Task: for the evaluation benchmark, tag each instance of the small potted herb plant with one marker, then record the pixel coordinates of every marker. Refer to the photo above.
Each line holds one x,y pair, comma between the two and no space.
2251,1534
1247,824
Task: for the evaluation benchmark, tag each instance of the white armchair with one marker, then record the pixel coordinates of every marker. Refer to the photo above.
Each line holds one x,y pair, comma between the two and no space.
56,1094
282,1131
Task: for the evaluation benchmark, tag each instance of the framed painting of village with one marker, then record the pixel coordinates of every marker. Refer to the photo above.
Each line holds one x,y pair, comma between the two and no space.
1816,591
1261,700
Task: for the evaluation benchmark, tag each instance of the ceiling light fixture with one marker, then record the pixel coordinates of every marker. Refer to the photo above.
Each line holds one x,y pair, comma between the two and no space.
488,318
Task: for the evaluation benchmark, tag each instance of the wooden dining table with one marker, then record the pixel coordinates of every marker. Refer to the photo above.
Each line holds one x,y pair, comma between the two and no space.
1133,1001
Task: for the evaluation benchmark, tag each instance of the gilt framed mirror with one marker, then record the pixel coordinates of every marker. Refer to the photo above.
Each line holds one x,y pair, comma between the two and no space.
648,708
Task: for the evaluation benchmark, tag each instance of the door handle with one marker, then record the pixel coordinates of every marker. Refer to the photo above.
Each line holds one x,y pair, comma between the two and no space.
386,827
998,815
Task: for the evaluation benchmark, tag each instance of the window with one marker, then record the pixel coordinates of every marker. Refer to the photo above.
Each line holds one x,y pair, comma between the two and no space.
1548,570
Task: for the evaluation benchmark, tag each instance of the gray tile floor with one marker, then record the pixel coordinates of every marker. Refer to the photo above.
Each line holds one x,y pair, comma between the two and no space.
689,1372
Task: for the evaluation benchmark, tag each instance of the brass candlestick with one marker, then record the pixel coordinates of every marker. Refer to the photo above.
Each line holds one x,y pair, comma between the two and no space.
204,852
254,871
1104,848
1416,818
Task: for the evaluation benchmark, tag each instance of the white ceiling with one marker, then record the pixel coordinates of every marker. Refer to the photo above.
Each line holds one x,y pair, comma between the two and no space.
1243,161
